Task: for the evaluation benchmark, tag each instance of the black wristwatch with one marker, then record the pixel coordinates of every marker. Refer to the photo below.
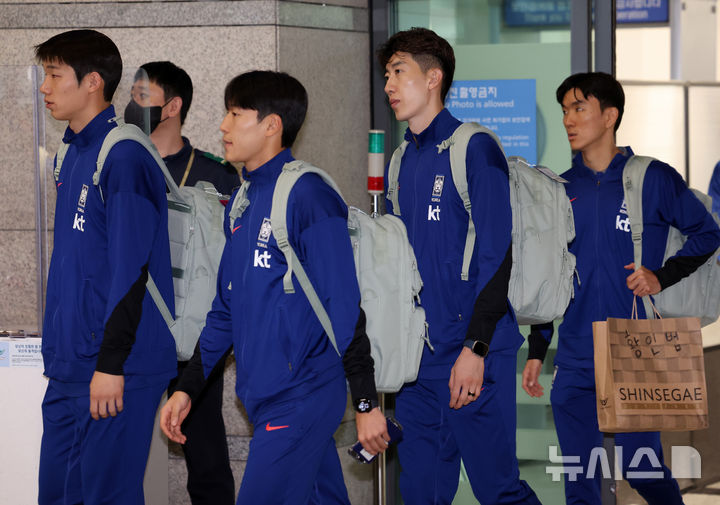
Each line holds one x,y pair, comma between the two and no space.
363,405
477,346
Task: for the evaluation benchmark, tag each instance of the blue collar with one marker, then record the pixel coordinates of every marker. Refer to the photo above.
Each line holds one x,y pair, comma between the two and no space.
439,129
269,172
615,168
93,131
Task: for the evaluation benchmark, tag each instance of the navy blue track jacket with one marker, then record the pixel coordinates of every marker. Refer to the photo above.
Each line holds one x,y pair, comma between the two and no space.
603,245
437,222
98,314
281,349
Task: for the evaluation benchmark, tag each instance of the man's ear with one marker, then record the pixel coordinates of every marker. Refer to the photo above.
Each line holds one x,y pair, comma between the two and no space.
174,107
611,116
94,82
435,78
273,125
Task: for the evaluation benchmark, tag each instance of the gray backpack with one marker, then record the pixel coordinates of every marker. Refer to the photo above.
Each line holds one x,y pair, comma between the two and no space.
387,275
541,280
697,295
195,218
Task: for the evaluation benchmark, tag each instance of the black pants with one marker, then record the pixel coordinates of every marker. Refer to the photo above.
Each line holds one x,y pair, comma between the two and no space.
210,480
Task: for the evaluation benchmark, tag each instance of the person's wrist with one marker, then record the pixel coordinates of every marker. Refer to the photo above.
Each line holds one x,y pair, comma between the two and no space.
364,405
477,347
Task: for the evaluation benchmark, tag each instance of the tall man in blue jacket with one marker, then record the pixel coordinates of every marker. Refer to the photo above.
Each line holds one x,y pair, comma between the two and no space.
289,377
107,351
592,105
463,403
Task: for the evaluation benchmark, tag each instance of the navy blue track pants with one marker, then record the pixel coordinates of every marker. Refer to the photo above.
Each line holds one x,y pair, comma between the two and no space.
293,459
83,461
482,433
574,409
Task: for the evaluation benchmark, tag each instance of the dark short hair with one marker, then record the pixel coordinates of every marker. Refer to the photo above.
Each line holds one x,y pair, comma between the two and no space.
270,92
173,80
604,87
427,48
85,51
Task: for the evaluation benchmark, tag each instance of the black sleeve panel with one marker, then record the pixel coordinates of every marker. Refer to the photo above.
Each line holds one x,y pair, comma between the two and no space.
192,380
539,343
121,327
359,365
491,304
677,268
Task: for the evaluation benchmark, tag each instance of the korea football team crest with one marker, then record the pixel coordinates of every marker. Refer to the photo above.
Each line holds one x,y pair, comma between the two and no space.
265,231
438,186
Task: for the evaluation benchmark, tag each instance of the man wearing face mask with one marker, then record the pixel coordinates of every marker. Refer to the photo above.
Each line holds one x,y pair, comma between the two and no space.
161,96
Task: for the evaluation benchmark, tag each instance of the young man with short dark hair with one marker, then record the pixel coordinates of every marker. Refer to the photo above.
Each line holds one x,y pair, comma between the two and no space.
107,350
608,280
463,402
289,377
161,97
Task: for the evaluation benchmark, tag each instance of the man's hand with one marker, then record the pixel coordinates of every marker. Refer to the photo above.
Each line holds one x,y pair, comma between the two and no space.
173,414
530,376
466,378
642,282
372,431
106,395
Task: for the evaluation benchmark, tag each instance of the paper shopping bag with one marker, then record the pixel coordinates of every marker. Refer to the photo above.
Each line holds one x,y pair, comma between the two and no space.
650,375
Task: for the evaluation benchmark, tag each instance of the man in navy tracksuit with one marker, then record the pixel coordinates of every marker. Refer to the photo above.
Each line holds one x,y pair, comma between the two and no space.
463,403
107,350
592,107
289,377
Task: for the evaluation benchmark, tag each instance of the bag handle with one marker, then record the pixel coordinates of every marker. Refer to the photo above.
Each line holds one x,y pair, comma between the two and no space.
634,313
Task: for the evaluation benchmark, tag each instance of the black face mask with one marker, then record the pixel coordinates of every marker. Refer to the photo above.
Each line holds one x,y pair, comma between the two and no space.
145,118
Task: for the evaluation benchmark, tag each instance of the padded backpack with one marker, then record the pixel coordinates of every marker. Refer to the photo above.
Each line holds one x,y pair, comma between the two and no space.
541,280
195,219
697,295
387,275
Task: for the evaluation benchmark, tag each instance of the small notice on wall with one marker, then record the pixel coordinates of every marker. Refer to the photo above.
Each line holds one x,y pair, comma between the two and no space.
21,353
506,106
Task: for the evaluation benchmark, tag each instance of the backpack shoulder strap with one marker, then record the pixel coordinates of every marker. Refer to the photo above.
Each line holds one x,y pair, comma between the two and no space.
59,158
633,178
457,143
278,220
240,203
124,131
394,175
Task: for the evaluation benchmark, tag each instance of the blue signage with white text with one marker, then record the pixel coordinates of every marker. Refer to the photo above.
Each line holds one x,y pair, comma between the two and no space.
507,107
642,11
518,13
537,12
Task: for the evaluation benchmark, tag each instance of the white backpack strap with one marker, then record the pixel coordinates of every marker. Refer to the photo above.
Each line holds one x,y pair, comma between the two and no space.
124,131
240,204
59,158
457,143
394,176
159,302
278,221
633,178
